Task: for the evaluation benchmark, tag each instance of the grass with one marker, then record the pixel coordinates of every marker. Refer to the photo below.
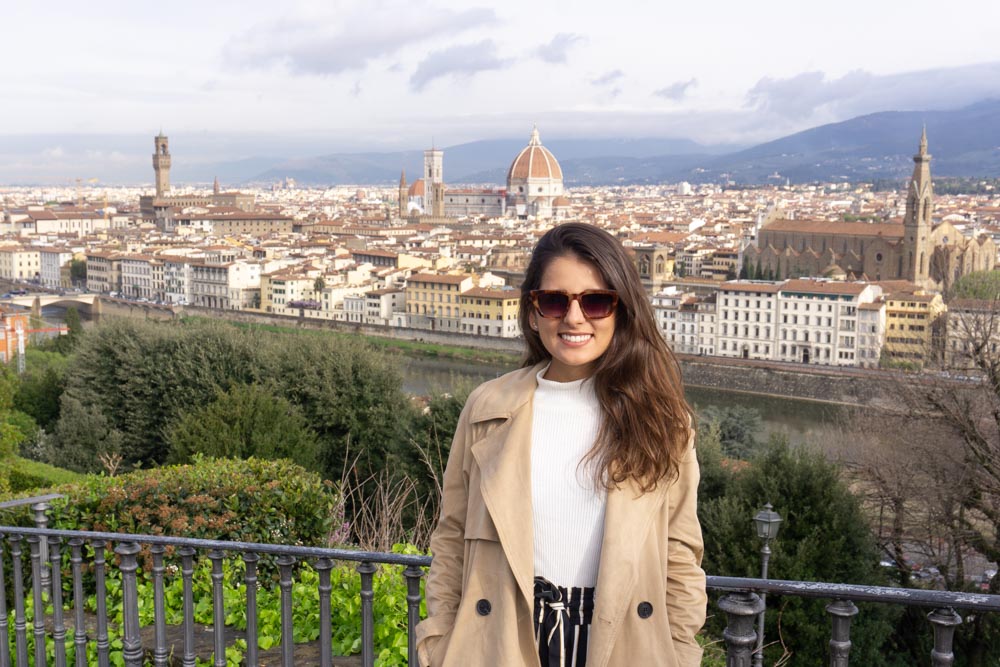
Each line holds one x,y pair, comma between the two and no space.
28,475
409,348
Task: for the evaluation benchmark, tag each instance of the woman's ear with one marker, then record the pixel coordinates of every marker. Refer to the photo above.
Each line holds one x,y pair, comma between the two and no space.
532,323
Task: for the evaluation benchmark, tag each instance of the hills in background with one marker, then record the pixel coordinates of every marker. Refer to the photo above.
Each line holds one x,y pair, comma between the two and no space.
965,142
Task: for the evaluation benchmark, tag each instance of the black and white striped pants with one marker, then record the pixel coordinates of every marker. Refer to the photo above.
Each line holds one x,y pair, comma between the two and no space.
562,623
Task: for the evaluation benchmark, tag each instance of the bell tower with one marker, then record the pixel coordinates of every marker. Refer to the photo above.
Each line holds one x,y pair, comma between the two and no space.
161,164
917,223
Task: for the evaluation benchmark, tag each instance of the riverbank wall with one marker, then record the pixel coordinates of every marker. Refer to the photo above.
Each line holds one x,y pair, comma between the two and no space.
874,389
871,388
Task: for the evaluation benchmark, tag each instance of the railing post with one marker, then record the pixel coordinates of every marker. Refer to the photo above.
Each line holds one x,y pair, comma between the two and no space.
4,637
131,639
741,609
841,612
187,572
218,608
42,521
250,558
412,574
39,604
101,592
285,564
323,567
80,631
160,653
20,624
944,621
367,570
58,624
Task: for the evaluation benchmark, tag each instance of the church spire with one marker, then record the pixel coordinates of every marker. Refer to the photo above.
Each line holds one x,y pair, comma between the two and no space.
402,178
923,142
215,186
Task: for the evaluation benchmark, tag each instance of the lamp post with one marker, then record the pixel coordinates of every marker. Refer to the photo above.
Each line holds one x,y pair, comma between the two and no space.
767,521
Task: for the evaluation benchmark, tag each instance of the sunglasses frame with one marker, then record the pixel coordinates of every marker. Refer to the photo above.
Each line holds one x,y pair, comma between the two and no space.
535,293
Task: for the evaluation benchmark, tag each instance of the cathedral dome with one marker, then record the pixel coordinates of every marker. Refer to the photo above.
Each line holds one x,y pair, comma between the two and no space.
417,189
534,161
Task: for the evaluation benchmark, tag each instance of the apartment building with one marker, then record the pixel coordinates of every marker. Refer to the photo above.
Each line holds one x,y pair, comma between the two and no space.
137,277
871,333
490,311
819,320
382,304
747,312
53,265
973,333
432,300
913,321
103,271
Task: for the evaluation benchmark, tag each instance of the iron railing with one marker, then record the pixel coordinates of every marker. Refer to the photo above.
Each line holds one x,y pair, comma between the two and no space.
740,599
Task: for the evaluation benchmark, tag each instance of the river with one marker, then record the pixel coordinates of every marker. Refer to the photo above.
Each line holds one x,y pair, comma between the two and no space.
807,422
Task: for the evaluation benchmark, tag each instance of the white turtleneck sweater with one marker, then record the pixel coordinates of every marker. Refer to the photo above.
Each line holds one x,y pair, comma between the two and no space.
567,509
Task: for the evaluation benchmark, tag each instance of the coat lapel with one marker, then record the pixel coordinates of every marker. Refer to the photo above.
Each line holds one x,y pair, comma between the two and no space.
504,460
627,519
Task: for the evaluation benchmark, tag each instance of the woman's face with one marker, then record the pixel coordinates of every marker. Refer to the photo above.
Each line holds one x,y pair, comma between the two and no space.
574,342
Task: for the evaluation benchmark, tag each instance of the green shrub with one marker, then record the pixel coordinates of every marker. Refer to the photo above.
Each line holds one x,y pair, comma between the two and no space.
221,499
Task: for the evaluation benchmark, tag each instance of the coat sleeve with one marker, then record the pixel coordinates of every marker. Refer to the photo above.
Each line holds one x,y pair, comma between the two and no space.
443,590
686,597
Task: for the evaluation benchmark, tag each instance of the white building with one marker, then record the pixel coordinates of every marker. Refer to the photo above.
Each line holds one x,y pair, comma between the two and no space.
746,319
819,321
53,263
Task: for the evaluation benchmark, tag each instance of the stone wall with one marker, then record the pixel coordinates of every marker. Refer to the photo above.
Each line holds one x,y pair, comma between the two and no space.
853,387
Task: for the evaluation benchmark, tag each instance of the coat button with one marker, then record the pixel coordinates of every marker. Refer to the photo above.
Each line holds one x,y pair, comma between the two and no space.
645,610
483,607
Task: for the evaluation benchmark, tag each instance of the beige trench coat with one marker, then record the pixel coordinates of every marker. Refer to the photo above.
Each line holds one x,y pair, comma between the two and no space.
480,586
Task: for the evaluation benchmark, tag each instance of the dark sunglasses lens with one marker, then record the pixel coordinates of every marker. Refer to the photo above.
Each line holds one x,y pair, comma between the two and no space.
597,305
552,304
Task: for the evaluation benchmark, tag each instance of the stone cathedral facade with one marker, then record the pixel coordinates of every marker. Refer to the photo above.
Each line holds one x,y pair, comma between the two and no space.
932,256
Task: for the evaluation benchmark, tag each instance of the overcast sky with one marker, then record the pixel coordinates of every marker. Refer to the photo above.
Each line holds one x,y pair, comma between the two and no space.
387,74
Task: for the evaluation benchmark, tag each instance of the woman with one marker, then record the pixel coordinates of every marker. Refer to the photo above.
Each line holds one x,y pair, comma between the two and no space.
568,532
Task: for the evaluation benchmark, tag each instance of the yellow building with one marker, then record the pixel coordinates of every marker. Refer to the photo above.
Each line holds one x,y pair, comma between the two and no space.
911,324
490,311
279,289
432,300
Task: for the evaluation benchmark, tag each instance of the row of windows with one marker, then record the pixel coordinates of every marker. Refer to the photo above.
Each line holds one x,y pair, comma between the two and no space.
913,327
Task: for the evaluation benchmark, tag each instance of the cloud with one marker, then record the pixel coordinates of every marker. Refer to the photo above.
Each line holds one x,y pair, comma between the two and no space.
459,61
814,96
351,40
556,50
608,77
356,89
676,91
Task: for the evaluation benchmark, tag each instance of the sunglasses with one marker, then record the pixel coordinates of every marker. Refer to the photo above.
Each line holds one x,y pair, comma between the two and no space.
596,304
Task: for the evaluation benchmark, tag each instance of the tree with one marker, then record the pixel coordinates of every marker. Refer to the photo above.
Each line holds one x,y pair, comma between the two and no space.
41,386
319,285
824,537
78,272
10,435
738,428
744,274
245,421
977,285
758,272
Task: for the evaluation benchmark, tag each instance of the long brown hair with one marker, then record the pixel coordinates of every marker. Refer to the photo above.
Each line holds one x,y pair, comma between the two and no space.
647,421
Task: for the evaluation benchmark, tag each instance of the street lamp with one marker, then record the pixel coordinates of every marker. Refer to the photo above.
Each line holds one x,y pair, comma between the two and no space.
768,522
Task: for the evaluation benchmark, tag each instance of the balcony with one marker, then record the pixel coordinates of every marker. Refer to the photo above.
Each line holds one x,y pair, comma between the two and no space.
66,567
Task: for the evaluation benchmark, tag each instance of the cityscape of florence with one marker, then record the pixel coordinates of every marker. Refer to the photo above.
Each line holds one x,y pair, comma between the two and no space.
248,285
